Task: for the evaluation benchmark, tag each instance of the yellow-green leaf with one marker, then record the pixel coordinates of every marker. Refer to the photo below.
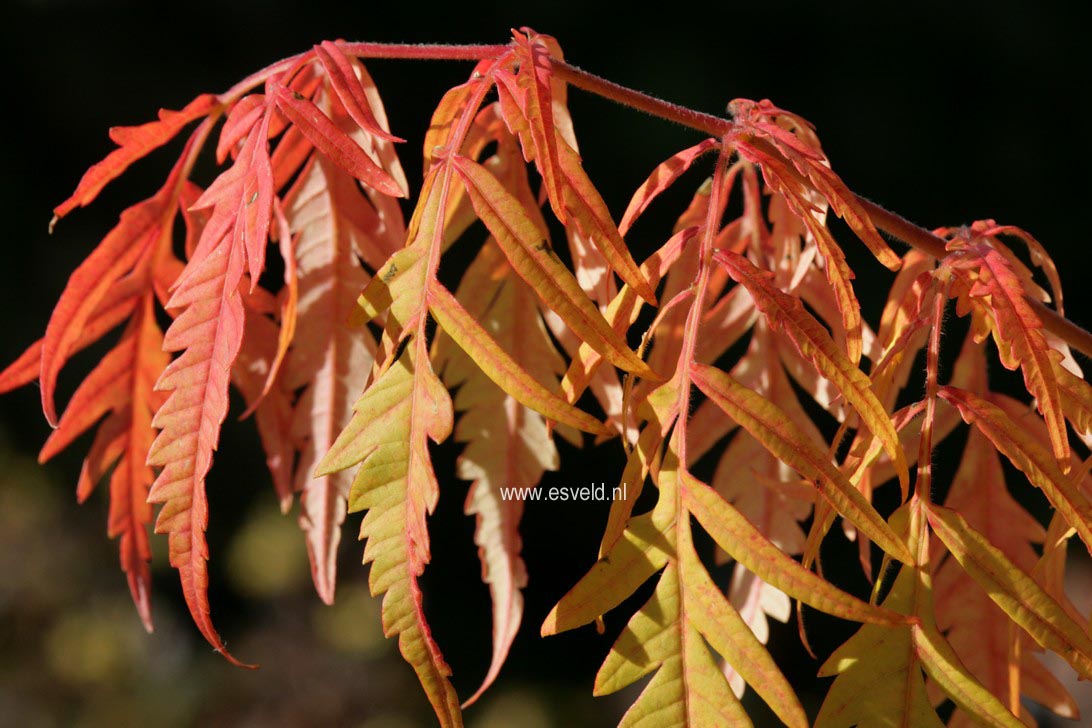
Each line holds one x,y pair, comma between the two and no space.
535,262
1026,453
742,541
1013,590
765,421
879,669
388,435
500,367
786,313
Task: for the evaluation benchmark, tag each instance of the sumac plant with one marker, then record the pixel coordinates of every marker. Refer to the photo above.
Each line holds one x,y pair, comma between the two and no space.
358,359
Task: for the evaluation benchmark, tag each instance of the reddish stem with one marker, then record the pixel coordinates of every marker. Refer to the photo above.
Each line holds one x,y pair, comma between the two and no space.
424,51
889,222
713,125
934,245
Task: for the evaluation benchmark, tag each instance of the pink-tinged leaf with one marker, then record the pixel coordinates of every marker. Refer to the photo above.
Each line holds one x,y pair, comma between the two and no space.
330,359
661,178
272,409
289,304
306,80
534,90
381,149
209,332
507,444
767,133
991,231
347,86
333,142
808,208
134,142
242,201
1028,455
527,105
240,120
257,197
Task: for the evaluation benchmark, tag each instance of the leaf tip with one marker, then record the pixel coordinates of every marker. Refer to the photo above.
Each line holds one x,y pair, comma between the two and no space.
549,625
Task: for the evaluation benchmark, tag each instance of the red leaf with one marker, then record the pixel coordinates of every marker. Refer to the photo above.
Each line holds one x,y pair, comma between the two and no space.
121,385
114,308
140,228
135,142
343,79
661,178
333,142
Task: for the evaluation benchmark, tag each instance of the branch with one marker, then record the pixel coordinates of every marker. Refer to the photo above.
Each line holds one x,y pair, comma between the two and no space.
714,125
889,222
934,245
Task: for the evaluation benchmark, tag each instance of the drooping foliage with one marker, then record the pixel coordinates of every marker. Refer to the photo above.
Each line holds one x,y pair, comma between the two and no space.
755,356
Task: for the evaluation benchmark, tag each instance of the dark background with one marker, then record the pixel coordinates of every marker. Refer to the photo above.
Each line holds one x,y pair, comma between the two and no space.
946,112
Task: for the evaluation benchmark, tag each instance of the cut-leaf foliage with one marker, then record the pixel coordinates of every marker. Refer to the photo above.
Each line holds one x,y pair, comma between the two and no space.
356,358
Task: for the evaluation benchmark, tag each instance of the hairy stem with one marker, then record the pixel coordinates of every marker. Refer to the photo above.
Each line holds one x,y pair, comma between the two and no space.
713,125
925,241
424,51
889,222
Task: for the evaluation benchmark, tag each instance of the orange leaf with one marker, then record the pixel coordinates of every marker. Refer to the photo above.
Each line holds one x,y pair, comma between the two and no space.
535,262
140,227
134,142
1028,456
1018,333
665,175
786,313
